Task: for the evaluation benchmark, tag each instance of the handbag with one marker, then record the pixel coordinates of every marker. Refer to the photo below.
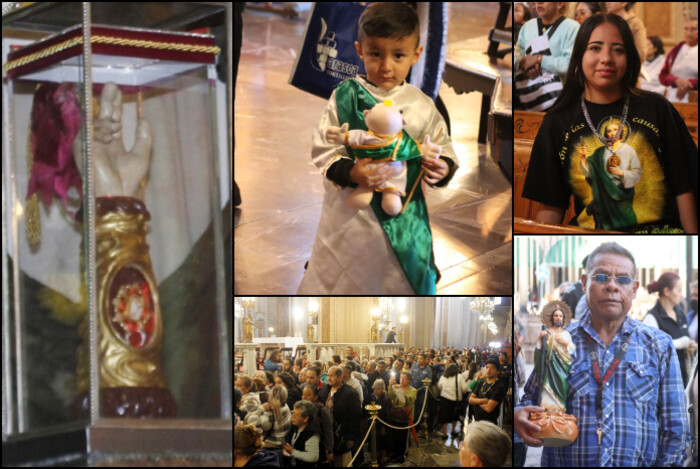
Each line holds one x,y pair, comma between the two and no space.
539,94
399,414
459,408
327,54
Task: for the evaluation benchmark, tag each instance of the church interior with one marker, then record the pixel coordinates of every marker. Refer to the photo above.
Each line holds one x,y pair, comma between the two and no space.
276,222
455,350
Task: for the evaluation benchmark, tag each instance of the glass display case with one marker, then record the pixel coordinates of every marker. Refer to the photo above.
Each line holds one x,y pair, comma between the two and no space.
116,178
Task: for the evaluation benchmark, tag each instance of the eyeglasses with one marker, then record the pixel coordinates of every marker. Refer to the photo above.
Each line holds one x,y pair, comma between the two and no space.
603,278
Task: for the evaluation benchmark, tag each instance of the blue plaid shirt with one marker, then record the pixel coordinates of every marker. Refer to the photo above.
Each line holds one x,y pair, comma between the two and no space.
420,374
645,422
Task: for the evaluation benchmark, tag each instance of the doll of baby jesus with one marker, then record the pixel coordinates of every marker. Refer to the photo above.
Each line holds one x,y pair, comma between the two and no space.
386,143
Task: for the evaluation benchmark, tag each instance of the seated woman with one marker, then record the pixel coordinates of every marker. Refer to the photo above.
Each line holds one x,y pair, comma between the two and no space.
680,71
625,154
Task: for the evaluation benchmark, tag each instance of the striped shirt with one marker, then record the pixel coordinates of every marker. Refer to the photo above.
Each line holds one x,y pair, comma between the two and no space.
645,423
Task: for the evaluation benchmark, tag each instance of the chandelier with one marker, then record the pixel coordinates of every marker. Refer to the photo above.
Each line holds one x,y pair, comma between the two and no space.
483,307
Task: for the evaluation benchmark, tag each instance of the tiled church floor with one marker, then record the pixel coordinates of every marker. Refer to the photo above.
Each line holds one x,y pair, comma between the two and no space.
282,191
434,453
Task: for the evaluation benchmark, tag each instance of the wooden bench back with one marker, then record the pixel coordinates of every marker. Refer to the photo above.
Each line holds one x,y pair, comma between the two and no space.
689,113
522,226
526,124
525,127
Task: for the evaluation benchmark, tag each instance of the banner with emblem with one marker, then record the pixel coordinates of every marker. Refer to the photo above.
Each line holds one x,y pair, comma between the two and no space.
327,54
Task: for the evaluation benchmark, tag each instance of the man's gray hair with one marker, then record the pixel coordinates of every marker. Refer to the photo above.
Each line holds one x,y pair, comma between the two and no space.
613,248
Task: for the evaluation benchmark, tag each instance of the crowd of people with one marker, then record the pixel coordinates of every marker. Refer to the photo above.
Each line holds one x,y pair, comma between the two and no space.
673,75
303,412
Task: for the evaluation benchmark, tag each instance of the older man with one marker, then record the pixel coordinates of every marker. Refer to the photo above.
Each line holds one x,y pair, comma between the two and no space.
625,384
351,380
345,406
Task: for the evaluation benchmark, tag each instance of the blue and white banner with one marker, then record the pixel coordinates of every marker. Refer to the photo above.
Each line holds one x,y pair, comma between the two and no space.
327,55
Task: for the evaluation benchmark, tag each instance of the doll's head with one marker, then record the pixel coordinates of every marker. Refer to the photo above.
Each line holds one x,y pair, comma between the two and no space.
387,42
384,118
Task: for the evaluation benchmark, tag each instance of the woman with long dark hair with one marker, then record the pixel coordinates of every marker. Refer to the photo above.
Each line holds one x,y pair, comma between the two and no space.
625,154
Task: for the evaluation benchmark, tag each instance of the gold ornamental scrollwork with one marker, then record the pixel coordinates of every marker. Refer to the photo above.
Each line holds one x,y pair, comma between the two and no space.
129,340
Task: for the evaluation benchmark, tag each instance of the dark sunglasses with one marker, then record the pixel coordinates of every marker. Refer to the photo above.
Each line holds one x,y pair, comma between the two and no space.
603,278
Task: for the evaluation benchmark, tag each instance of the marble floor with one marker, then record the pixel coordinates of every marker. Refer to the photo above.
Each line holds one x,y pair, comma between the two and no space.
282,191
435,452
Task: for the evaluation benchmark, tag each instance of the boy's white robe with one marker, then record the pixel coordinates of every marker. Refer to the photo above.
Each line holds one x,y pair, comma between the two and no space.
351,254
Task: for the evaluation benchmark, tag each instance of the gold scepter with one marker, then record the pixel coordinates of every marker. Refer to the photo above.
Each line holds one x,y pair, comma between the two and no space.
420,176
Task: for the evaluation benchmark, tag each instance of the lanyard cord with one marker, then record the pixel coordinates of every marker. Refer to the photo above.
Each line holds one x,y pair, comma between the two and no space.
593,355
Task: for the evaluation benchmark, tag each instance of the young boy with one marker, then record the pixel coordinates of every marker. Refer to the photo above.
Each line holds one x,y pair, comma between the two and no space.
367,251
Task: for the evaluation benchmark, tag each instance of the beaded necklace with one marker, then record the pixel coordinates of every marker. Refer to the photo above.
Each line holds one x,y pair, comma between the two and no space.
604,140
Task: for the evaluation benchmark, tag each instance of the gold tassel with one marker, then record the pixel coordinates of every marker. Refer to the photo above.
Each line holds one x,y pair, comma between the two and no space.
32,216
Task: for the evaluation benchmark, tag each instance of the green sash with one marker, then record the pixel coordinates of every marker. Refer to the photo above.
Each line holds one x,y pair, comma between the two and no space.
408,233
407,149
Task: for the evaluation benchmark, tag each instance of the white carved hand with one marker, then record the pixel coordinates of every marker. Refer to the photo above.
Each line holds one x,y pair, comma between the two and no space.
117,172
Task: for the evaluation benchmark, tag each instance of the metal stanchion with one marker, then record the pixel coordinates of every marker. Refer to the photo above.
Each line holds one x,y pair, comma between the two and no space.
373,412
426,384
374,417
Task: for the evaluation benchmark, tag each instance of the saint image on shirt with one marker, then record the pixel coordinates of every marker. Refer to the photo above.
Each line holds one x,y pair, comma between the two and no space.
612,171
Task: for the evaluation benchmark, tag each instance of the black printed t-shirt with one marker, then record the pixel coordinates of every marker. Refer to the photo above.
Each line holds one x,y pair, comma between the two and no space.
493,392
629,187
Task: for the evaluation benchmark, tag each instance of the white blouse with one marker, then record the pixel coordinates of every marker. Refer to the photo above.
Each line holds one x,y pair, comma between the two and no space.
449,390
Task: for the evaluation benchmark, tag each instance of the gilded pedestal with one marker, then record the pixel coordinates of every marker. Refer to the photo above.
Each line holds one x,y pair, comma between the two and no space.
132,383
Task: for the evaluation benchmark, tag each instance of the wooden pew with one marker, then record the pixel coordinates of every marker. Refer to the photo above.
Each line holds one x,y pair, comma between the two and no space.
689,113
522,226
525,127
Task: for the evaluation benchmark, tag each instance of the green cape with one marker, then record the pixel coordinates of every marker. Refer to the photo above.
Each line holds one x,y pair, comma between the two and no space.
408,233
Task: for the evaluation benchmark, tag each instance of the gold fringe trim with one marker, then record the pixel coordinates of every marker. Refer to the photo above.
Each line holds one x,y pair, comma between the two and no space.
67,44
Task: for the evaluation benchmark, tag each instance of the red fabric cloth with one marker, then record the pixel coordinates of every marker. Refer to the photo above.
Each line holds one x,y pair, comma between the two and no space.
55,122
